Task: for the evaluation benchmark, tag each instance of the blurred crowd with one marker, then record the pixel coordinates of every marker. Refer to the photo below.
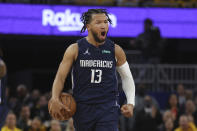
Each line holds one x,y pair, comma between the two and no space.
140,3
179,114
28,111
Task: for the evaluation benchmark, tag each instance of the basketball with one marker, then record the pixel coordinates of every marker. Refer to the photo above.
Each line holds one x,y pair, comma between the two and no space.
69,102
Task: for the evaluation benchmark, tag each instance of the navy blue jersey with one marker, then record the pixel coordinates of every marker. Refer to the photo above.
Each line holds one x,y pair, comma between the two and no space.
94,73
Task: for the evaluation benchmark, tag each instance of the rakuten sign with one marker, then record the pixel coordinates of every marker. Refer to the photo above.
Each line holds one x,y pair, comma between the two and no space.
67,20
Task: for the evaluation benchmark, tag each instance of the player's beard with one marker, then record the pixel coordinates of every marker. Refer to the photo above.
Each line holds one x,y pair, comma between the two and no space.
96,38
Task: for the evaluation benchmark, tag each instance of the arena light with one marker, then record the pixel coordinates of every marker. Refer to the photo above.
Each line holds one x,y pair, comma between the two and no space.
65,20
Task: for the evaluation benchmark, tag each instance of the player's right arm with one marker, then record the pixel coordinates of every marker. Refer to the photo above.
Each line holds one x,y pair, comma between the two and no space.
70,56
128,85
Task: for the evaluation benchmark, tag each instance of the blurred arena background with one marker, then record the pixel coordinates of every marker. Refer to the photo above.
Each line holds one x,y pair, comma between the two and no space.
158,36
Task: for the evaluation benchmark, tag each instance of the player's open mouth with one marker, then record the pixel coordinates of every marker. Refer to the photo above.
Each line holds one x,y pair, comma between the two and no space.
103,33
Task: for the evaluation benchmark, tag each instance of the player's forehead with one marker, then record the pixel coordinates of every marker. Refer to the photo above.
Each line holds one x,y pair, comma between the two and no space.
99,17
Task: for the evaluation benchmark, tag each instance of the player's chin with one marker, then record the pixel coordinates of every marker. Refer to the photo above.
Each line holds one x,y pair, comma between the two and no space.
102,40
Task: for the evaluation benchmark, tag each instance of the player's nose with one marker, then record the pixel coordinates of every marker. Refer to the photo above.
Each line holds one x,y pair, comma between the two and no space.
103,26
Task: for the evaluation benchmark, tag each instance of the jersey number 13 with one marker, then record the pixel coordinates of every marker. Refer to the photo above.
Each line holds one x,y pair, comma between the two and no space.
96,76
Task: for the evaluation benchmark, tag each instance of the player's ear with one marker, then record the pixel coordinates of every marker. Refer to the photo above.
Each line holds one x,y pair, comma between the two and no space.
88,27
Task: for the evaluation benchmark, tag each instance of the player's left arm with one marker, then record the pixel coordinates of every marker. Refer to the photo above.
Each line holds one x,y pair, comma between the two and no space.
127,81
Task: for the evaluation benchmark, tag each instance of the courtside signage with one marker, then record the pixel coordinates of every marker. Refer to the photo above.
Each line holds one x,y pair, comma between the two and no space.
65,20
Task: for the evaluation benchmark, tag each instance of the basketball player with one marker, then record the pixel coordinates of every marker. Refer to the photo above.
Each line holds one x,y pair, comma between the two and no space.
94,61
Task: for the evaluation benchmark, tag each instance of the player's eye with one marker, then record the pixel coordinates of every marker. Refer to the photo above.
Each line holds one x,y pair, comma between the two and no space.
105,21
98,22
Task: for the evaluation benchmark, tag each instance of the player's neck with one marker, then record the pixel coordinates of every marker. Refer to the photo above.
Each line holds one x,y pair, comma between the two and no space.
92,41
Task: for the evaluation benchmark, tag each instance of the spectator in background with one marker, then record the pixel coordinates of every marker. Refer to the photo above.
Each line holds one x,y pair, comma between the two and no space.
173,106
12,103
149,118
189,94
36,125
24,120
167,119
149,42
181,94
139,98
35,96
41,109
21,99
23,94
55,126
168,115
10,123
168,125
140,95
190,110
185,125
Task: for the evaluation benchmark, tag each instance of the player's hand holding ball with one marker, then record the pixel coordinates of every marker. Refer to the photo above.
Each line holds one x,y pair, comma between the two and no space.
62,108
127,110
56,108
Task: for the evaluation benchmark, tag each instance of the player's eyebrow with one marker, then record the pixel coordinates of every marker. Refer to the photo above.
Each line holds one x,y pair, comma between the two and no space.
101,20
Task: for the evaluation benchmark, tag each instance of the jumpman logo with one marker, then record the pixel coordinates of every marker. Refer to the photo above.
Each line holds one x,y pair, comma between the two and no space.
117,104
86,52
